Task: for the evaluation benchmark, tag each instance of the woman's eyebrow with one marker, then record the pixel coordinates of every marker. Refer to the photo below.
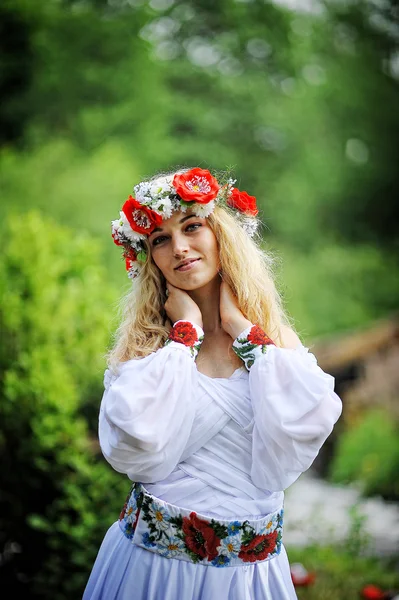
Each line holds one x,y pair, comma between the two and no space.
181,221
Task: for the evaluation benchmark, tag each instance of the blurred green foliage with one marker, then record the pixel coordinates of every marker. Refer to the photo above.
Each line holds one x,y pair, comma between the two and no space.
368,454
96,95
57,498
339,575
113,91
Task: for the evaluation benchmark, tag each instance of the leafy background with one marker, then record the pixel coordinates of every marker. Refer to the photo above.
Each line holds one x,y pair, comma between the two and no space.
299,98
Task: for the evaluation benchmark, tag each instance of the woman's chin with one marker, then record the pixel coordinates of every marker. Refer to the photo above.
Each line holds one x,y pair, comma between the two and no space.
192,284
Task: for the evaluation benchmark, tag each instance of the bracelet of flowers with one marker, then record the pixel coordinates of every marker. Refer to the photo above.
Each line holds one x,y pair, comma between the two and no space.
156,200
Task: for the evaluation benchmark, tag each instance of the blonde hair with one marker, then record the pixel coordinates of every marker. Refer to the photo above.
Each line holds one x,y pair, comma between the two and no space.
245,267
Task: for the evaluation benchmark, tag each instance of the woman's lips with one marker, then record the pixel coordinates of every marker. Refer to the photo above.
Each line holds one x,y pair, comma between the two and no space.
188,265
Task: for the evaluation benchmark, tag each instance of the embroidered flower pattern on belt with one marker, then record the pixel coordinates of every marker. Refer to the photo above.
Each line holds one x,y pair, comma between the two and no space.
250,344
161,528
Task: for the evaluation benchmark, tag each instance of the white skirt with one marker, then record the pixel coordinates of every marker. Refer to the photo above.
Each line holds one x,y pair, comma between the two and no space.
124,571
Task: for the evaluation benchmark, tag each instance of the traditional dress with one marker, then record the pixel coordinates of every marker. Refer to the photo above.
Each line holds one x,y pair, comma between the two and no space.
213,456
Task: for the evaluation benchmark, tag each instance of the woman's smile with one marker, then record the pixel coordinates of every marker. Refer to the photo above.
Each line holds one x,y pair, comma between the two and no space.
188,264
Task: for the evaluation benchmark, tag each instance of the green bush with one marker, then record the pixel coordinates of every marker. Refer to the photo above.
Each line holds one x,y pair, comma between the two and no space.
368,453
58,495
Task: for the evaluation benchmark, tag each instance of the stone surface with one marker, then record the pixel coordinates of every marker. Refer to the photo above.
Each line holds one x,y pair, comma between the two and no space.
319,512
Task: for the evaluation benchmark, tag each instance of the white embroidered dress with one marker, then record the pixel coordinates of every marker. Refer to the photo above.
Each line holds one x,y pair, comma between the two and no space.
224,448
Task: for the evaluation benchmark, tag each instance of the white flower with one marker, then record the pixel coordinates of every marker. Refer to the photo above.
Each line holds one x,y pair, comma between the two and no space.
230,545
269,526
116,228
160,519
174,547
249,225
163,207
134,271
161,186
127,231
204,210
141,191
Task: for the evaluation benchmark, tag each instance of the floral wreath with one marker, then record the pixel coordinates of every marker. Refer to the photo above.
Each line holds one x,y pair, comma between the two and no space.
157,199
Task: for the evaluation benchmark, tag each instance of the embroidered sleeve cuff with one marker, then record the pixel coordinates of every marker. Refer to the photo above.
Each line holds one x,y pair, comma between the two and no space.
251,344
188,335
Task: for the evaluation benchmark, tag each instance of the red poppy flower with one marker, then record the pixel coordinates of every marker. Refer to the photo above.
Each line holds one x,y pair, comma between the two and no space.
116,239
300,576
184,333
258,336
258,548
196,185
130,256
199,537
129,263
372,592
242,202
141,218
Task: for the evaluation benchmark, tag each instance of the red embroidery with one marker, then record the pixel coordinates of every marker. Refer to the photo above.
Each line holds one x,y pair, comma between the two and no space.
258,548
184,333
258,336
199,537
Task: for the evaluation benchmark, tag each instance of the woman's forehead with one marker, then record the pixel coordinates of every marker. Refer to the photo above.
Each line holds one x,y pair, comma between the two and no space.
178,218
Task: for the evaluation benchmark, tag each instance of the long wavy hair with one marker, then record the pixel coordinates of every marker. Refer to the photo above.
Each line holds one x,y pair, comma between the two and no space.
245,266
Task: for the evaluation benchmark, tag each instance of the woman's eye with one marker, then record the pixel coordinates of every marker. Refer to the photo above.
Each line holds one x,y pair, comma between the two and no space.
158,240
193,226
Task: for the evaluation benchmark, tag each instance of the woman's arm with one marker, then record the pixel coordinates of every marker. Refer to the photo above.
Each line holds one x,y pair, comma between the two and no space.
148,409
294,403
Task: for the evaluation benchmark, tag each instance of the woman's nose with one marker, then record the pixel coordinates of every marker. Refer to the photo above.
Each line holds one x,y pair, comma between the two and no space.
179,245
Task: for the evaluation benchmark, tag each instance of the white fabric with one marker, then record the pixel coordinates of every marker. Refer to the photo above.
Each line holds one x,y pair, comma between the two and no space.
226,448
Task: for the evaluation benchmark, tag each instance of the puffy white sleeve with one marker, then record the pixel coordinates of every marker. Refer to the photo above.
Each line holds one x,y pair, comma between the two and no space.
294,404
147,410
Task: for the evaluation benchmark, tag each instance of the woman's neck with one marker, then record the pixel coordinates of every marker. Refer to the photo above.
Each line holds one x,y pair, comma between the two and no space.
207,299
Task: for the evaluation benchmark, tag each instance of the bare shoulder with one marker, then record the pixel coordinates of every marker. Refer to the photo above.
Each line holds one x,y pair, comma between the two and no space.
289,338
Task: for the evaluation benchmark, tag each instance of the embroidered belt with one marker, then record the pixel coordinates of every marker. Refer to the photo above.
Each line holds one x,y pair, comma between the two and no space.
175,532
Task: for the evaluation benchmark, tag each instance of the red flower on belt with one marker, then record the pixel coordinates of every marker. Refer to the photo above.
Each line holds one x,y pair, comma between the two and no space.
199,537
183,333
258,548
196,185
258,336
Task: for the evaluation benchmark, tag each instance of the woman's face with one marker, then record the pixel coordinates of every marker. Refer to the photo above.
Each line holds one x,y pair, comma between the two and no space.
185,250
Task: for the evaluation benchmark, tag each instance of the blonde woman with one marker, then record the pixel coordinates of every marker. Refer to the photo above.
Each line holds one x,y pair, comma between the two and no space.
212,406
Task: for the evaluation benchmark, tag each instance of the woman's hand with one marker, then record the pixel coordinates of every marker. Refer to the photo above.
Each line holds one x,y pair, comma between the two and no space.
233,321
180,307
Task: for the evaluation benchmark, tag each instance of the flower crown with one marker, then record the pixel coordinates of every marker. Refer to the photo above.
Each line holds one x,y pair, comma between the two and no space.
155,200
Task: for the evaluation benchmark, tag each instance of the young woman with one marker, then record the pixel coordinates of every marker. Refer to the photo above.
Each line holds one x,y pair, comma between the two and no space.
212,405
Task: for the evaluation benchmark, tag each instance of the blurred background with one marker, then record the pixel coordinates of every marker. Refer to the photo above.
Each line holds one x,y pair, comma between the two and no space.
300,98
